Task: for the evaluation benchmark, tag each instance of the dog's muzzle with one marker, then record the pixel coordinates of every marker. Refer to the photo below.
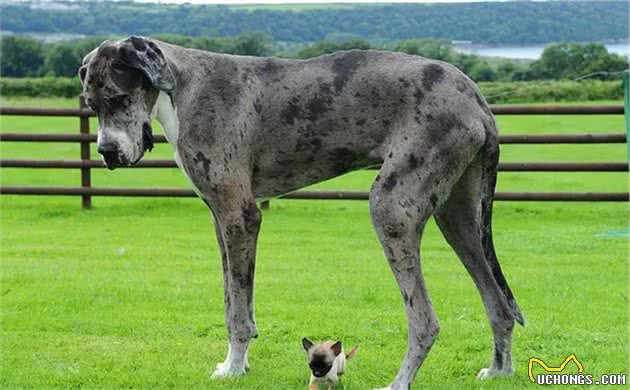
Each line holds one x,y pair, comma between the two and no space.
110,155
320,370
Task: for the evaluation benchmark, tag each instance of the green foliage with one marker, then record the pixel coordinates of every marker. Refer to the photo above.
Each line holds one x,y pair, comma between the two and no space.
253,43
40,86
217,45
572,60
26,57
506,70
438,49
513,22
326,47
21,56
481,71
551,91
559,61
62,61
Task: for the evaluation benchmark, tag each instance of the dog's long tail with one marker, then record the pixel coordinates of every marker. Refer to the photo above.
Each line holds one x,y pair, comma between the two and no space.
352,352
490,165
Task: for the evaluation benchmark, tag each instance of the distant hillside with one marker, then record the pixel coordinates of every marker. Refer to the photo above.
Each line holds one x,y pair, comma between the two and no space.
491,23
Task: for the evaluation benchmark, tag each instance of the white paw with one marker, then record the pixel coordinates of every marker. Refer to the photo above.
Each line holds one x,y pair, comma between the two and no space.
225,370
488,373
394,386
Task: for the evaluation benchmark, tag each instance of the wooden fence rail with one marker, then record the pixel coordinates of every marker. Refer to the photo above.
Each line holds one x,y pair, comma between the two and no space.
154,163
86,164
311,195
504,109
597,138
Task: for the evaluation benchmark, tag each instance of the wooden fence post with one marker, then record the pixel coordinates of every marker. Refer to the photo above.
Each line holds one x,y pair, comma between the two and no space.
626,109
86,177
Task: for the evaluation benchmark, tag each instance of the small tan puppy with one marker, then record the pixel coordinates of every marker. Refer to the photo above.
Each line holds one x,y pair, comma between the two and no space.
327,362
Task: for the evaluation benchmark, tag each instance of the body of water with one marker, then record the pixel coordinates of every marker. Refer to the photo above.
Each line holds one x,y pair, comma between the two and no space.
530,52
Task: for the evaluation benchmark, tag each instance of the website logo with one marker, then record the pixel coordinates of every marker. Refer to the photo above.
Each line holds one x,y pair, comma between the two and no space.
555,376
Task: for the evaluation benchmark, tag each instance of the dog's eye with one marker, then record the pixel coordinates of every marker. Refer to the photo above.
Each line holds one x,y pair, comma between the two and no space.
319,365
116,100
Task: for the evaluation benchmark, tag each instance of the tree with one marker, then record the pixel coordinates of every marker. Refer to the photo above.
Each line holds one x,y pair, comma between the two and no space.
82,47
574,60
431,48
505,71
508,22
62,61
21,57
254,43
326,47
481,71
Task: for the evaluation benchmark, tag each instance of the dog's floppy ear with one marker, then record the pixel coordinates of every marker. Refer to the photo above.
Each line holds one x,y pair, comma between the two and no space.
86,60
336,348
82,73
142,54
307,344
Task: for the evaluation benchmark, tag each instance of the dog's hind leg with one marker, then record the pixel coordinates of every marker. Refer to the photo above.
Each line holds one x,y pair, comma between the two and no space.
423,163
412,182
460,219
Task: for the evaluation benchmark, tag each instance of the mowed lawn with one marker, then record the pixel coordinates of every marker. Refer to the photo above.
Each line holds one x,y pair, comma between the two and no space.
129,293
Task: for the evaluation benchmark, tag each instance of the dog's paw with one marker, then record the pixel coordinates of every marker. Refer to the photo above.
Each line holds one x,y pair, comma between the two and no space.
226,370
396,386
488,373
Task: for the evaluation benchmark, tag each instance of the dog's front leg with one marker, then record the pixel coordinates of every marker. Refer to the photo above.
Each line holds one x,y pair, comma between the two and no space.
238,223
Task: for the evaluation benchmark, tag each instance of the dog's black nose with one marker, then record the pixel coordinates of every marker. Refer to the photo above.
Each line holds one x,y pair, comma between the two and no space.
110,154
106,148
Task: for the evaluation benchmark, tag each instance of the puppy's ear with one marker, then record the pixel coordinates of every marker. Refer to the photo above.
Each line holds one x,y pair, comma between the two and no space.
143,54
336,348
307,344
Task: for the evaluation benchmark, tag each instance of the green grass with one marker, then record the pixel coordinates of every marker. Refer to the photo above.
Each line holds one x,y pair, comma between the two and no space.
129,294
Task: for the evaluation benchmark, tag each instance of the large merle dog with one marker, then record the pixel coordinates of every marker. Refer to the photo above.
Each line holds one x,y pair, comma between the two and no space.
246,128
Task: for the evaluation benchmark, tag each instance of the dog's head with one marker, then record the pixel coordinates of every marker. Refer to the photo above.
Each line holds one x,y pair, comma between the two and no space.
321,356
121,81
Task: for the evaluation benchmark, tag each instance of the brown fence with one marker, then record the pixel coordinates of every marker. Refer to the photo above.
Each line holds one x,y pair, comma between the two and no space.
85,164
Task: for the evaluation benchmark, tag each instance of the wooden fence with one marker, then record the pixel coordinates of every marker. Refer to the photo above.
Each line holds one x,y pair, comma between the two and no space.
86,164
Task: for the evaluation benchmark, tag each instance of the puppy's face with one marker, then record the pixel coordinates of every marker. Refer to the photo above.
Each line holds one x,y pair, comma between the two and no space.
321,356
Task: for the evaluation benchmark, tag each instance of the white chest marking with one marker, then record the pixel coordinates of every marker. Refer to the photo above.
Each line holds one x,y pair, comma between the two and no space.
166,113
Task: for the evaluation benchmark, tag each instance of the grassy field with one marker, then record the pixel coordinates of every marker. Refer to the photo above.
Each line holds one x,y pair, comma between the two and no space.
129,293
